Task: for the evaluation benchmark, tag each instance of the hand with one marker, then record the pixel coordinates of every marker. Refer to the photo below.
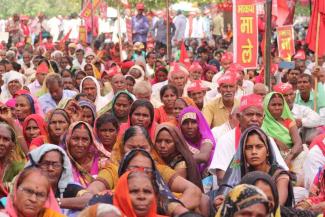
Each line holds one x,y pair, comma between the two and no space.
74,111
299,123
316,71
218,200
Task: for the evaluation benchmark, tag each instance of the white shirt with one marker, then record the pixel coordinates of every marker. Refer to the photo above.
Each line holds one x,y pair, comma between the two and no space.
221,130
225,151
309,118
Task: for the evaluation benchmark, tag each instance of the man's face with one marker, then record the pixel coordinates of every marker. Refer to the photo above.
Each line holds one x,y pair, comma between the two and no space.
204,56
197,96
179,80
56,91
289,96
292,76
251,116
226,64
227,91
26,58
80,55
304,86
151,59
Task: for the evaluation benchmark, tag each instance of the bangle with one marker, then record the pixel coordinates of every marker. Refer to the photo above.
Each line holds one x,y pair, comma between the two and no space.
59,201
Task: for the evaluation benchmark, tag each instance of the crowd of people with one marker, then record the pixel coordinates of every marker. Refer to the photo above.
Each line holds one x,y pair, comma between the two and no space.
87,129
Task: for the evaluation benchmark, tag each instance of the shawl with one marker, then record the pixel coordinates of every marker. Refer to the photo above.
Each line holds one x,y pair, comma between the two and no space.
193,174
36,155
142,76
90,105
7,78
241,197
40,123
100,101
272,127
204,130
161,116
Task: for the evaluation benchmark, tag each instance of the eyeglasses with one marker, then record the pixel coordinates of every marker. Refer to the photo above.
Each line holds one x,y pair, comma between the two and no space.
29,193
47,164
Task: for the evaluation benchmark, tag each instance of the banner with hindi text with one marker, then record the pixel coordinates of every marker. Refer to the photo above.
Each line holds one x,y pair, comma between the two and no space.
83,34
86,12
286,45
245,33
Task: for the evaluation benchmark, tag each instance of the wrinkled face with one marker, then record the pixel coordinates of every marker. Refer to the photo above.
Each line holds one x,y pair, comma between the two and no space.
276,107
51,165
146,96
190,128
118,83
68,83
89,59
107,134
58,125
257,210
137,141
165,144
169,98
23,108
129,85
122,106
197,96
26,58
6,143
56,91
179,106
87,116
178,80
89,88
141,194
14,86
135,73
141,117
32,130
304,86
79,143
255,150
31,195
252,116
227,91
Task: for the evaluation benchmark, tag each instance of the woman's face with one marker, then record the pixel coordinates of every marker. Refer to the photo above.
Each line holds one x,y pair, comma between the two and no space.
257,210
87,116
142,194
141,117
31,195
51,165
14,86
266,188
89,70
129,85
122,106
79,77
79,143
32,130
209,75
255,150
58,125
276,107
179,106
169,98
6,144
107,134
23,108
135,73
165,144
190,128
161,76
137,141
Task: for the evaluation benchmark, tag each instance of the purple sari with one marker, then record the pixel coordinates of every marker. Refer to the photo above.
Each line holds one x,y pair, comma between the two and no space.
204,130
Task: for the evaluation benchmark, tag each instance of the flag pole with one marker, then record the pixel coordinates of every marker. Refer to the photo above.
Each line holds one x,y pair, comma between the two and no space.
268,35
168,32
92,24
119,29
316,62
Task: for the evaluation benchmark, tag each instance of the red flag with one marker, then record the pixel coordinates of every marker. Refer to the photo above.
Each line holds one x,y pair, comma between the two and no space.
65,38
318,8
281,11
183,58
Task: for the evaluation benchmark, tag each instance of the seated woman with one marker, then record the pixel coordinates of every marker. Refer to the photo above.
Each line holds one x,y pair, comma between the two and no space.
34,126
13,82
168,96
245,200
121,105
198,135
173,149
26,105
32,196
137,137
91,87
106,129
280,124
58,122
181,103
88,111
141,114
87,155
255,153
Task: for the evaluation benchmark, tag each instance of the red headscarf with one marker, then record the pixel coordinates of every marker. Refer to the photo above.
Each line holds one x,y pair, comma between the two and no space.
122,199
40,123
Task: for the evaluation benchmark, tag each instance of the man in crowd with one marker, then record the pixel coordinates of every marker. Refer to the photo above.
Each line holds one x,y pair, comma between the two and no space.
140,26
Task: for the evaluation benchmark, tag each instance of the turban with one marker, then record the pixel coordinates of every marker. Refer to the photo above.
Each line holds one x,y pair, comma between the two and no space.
250,100
227,78
196,86
282,87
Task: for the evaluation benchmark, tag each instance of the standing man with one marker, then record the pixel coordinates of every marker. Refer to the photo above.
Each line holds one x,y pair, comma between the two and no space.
14,30
218,27
140,26
180,24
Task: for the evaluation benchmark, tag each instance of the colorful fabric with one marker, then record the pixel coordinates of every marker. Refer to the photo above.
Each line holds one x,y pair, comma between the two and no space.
253,100
282,87
40,123
274,128
227,79
241,197
204,130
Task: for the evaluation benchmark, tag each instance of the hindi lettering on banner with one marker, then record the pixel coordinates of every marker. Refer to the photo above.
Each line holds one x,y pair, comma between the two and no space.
286,44
245,31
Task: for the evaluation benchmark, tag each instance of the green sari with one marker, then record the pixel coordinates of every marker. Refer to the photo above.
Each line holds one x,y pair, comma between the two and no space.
272,127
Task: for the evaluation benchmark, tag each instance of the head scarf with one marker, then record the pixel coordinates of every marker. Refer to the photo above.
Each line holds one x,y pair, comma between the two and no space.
100,101
188,101
274,128
204,130
90,105
241,197
40,123
252,177
124,92
7,78
34,105
142,76
36,155
193,175
64,103
50,203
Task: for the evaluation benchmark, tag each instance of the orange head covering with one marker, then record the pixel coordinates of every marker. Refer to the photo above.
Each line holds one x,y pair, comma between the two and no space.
42,68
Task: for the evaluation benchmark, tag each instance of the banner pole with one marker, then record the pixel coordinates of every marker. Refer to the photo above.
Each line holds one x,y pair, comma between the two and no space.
316,62
267,56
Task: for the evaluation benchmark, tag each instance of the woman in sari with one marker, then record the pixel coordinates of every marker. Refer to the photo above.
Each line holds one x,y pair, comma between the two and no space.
90,86
88,112
87,155
13,81
181,103
121,105
34,126
198,135
173,149
168,96
280,124
26,105
255,153
32,196
78,77
141,114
